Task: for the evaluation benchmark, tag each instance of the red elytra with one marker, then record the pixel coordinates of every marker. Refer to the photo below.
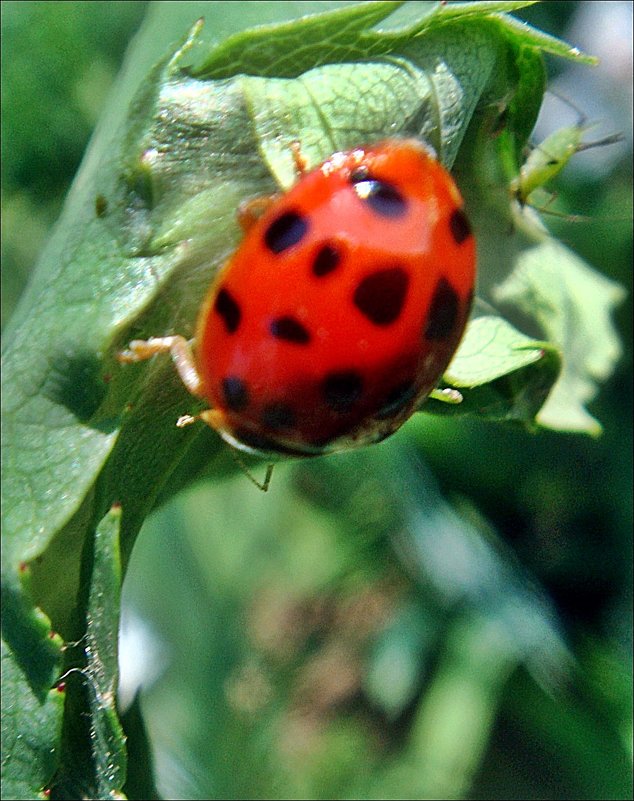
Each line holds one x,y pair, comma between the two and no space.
339,311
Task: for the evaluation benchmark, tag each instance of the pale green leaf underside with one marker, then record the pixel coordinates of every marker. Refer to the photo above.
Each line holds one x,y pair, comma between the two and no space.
314,109
490,349
500,374
573,305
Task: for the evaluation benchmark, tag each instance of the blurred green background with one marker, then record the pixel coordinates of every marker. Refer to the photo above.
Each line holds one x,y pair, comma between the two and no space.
446,615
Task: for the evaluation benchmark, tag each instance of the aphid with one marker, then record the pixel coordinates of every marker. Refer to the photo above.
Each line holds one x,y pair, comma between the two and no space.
548,159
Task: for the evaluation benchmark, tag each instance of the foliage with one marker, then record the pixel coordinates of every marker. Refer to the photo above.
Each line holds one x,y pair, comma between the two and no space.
346,676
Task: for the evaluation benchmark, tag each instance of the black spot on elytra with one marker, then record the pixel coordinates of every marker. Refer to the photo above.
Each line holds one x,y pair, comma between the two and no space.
278,415
326,260
227,307
290,330
381,196
380,296
397,399
284,232
459,226
342,389
235,393
443,312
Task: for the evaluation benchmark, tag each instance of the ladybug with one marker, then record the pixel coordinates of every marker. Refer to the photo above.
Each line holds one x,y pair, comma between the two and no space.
340,310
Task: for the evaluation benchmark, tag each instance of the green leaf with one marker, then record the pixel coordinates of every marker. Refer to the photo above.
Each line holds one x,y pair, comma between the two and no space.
314,109
102,631
490,349
346,34
93,747
572,304
500,373
288,49
32,706
153,219
150,220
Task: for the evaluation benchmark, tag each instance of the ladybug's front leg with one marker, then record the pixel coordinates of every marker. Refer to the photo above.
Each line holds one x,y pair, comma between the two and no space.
250,211
179,349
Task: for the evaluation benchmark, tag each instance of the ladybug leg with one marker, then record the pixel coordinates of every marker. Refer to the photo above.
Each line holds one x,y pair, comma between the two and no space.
267,477
261,485
250,211
215,418
179,349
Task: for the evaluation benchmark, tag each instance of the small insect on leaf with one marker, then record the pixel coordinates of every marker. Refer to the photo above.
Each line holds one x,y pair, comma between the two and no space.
361,294
550,157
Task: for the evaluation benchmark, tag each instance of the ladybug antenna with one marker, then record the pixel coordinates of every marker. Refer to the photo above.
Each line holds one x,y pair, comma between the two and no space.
299,160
